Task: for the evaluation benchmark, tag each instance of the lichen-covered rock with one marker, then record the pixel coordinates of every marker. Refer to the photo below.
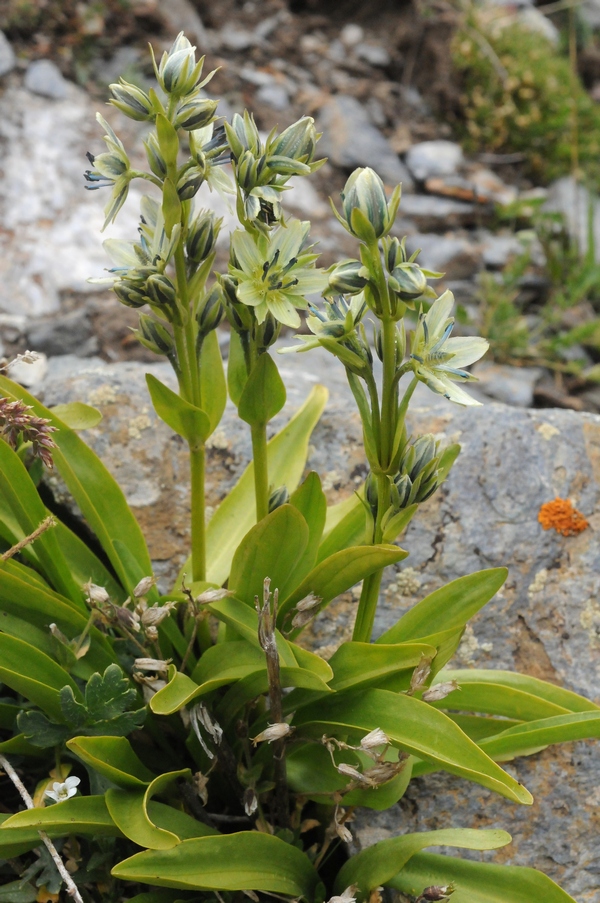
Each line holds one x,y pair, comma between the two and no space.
545,622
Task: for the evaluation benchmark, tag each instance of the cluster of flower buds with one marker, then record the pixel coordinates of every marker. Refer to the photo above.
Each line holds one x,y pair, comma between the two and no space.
407,281
305,610
262,169
19,424
418,475
140,618
367,213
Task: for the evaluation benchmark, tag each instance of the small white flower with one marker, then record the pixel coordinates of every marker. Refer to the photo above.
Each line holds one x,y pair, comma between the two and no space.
273,732
375,738
63,791
351,772
438,360
348,896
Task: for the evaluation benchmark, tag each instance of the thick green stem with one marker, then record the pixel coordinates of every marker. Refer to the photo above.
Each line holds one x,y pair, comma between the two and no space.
367,607
261,469
197,460
389,397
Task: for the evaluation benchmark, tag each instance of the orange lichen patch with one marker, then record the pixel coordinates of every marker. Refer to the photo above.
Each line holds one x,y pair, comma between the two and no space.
561,515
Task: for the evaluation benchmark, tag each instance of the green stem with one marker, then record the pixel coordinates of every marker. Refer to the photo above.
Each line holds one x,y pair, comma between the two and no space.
261,469
389,402
197,468
367,607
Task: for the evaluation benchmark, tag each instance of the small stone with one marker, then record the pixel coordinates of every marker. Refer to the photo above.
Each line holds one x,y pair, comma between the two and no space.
64,334
43,77
29,375
574,202
7,55
350,139
373,54
180,15
510,385
457,258
434,158
351,34
497,250
235,38
274,95
431,213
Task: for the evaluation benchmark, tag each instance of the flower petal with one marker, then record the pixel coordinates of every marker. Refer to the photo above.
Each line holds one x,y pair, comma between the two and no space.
283,310
438,315
465,350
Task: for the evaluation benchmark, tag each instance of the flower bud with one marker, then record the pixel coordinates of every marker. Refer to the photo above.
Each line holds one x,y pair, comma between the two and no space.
278,498
152,617
403,484
419,455
408,281
250,801
95,593
366,211
375,738
196,114
154,336
131,100
128,619
189,183
242,135
144,587
273,732
440,691
161,291
345,277
156,161
309,602
202,236
298,141
178,72
436,894
129,293
209,314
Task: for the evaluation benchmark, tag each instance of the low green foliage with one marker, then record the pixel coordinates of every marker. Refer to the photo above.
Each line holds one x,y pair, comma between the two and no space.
184,744
518,94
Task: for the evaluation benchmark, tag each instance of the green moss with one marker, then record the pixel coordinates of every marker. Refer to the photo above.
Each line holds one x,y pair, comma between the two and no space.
518,95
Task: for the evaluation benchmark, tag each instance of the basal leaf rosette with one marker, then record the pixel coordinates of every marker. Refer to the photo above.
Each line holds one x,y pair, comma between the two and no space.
439,360
275,272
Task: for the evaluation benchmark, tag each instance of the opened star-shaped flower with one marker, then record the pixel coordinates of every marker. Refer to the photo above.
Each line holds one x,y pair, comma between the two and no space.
438,360
275,272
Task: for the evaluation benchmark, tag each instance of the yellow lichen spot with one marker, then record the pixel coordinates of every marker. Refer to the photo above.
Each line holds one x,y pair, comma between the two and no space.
561,516
547,431
139,423
538,583
104,394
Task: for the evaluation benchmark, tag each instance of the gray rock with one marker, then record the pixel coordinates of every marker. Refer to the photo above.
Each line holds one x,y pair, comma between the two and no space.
574,202
350,139
43,77
432,213
434,158
373,54
498,249
69,333
7,55
180,15
456,257
590,13
274,95
545,622
511,385
352,34
235,38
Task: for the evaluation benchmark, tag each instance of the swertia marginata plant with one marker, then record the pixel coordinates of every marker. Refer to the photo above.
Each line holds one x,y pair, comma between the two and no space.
184,746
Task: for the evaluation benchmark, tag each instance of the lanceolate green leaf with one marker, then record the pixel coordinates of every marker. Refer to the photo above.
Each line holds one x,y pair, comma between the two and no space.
264,393
310,501
413,726
340,572
93,488
213,389
77,416
245,861
524,738
509,680
29,511
114,758
129,811
235,515
34,674
494,699
378,864
82,814
363,664
451,606
478,882
344,527
184,418
271,549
